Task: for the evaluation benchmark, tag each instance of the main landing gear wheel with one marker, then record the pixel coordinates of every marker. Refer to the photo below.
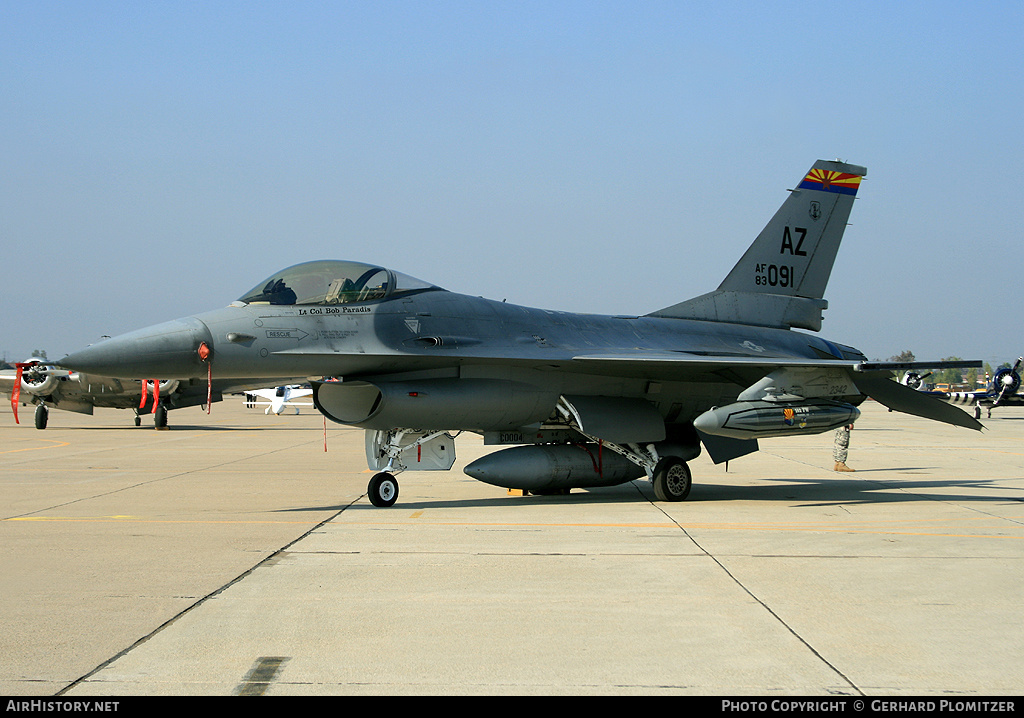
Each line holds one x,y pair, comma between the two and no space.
671,479
383,490
42,413
160,417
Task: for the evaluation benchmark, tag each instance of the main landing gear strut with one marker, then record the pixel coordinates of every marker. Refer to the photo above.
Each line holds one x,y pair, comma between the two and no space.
669,475
159,417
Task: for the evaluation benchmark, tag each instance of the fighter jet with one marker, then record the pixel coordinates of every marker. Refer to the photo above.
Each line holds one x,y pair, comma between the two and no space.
584,400
278,398
47,386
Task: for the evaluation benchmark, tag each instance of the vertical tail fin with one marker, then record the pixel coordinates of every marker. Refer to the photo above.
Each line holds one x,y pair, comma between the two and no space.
780,281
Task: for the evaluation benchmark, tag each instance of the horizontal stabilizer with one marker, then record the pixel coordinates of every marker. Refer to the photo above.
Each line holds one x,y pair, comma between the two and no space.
880,387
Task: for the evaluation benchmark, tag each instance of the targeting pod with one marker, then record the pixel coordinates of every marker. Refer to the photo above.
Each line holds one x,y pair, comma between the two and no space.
765,419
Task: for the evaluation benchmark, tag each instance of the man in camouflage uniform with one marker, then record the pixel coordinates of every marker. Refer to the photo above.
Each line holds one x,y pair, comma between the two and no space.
841,448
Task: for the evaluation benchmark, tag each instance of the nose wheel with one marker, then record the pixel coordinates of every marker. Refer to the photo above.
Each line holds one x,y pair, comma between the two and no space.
383,489
160,417
42,413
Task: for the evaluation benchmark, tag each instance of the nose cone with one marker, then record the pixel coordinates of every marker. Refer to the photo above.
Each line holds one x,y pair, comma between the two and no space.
166,351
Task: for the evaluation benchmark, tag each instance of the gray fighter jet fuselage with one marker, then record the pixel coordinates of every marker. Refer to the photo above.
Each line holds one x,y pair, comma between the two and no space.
588,400
441,335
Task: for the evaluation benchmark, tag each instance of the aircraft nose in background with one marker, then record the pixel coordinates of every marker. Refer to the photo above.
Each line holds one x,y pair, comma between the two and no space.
167,351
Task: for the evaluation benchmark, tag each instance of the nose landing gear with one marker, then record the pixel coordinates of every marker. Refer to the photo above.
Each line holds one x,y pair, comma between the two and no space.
383,490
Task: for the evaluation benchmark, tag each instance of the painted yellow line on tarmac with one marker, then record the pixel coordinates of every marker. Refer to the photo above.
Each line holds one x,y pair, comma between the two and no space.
808,528
867,528
932,447
137,519
56,445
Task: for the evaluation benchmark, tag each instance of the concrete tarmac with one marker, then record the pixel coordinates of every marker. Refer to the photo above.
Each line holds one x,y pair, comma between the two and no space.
232,555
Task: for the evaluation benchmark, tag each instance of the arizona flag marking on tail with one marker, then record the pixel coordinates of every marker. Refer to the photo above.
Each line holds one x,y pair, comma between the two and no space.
831,181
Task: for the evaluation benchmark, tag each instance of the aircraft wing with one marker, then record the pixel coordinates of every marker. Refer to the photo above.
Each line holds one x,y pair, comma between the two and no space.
7,379
684,366
873,379
685,359
665,365
265,393
667,361
271,395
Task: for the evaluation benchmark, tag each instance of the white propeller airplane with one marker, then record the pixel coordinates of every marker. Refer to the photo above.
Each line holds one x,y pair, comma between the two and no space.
278,398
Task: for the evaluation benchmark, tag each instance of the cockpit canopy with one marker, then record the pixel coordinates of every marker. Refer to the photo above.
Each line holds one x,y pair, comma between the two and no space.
328,282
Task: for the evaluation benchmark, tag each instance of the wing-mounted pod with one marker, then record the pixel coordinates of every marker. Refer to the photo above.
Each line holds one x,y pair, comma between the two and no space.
788,402
766,419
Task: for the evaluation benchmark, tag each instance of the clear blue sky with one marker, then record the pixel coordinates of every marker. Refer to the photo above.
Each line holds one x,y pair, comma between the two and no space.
160,158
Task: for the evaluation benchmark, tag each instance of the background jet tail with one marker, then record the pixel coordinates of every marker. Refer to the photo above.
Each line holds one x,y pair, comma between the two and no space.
780,281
